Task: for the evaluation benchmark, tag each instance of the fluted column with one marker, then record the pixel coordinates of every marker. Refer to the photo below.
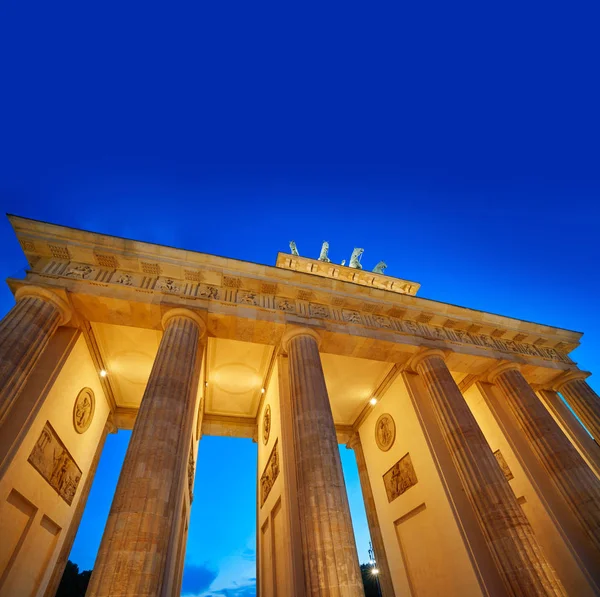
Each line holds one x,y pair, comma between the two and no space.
509,536
583,400
576,432
146,508
571,475
24,333
328,545
385,576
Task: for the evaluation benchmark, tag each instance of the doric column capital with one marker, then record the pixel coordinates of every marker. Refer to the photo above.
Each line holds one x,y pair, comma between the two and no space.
499,369
568,376
49,296
180,312
425,354
294,331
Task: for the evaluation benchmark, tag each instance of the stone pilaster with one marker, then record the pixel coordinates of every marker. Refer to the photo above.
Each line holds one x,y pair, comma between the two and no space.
573,478
328,545
24,333
145,512
385,576
509,536
582,399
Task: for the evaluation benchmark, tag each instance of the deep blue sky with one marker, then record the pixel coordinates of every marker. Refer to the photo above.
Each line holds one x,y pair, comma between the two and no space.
459,142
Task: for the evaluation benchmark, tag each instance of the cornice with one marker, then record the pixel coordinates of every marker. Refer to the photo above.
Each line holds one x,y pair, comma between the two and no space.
295,311
65,252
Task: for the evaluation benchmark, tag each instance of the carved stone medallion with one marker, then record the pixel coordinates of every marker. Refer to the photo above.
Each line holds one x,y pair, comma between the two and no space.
266,424
385,432
52,460
83,410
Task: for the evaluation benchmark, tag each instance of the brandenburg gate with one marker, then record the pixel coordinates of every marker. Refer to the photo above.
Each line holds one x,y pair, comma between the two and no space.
476,476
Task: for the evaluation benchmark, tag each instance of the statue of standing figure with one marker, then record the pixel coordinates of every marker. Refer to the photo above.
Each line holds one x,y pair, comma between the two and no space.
324,252
293,248
355,258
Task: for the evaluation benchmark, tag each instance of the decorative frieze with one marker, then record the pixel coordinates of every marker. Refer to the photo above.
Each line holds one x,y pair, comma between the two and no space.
59,251
247,298
317,310
208,292
106,260
150,268
400,478
52,460
284,304
391,321
270,474
80,272
351,316
168,285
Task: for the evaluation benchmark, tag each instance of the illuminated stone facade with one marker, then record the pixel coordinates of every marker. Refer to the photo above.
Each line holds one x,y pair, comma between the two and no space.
477,480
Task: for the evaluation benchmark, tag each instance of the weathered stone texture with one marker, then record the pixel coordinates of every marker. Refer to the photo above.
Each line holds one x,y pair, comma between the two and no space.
571,475
330,557
385,576
146,506
586,404
509,535
24,333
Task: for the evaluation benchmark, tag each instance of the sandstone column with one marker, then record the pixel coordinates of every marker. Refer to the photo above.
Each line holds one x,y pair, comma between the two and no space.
146,508
576,432
509,536
328,546
571,475
583,400
24,333
385,576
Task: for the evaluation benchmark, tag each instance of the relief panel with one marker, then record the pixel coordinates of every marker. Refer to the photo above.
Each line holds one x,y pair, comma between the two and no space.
400,478
52,460
270,474
505,469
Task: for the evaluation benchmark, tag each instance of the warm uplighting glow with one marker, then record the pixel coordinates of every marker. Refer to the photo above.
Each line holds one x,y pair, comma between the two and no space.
206,384
103,373
373,401
262,391
375,571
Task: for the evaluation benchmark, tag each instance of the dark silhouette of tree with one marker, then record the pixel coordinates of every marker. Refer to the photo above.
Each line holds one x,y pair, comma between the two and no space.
369,581
73,583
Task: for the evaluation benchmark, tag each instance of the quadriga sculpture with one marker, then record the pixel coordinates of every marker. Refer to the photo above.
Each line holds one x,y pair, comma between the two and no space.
355,257
378,269
324,252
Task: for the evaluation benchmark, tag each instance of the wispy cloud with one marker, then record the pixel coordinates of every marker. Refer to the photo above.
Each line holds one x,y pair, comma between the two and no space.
237,574
197,579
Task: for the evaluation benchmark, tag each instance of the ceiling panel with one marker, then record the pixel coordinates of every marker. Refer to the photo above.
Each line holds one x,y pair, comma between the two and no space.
128,355
236,373
351,383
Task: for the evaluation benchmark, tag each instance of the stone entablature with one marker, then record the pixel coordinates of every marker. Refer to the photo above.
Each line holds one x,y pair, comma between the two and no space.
300,308
106,261
348,274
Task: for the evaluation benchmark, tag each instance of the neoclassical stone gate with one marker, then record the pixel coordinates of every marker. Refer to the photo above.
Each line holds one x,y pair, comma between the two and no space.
477,479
